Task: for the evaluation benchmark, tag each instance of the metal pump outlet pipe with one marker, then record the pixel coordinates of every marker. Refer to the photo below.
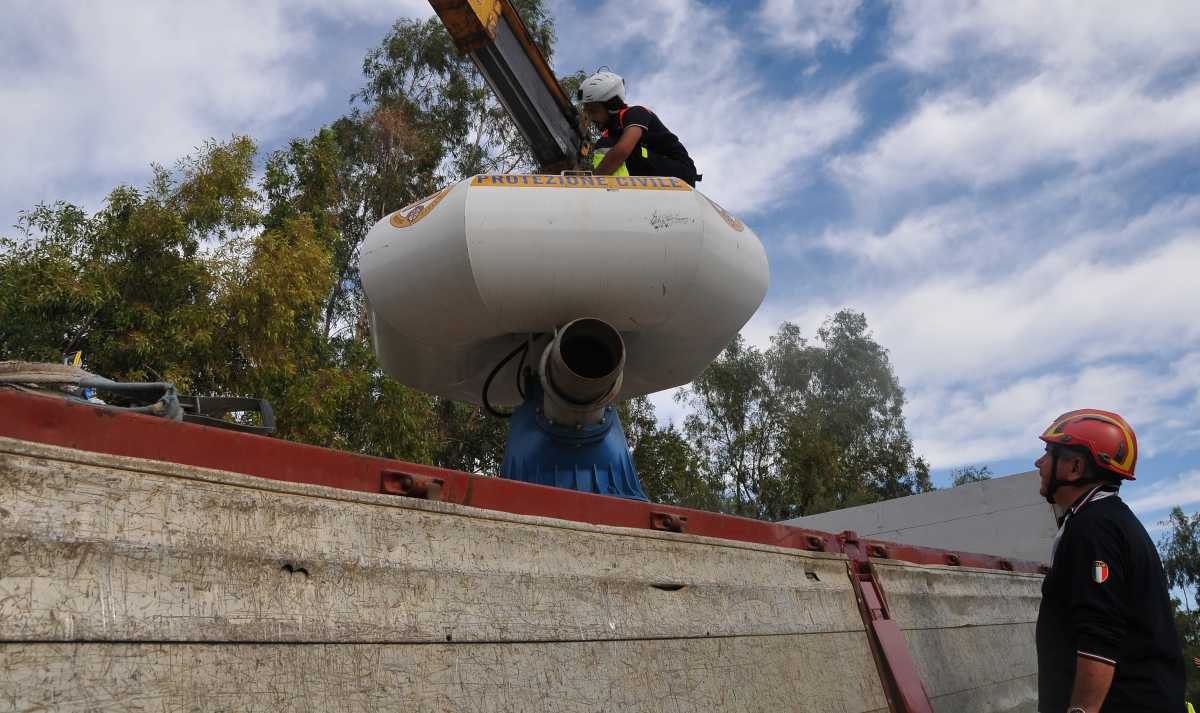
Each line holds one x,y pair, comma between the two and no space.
581,372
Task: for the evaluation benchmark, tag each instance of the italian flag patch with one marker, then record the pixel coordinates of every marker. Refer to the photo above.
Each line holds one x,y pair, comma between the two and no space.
1099,572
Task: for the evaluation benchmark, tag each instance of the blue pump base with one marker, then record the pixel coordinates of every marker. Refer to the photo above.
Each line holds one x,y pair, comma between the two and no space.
593,459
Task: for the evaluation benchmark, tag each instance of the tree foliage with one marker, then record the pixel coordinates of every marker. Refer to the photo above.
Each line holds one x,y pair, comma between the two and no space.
804,427
667,463
132,285
417,79
224,285
969,474
1179,549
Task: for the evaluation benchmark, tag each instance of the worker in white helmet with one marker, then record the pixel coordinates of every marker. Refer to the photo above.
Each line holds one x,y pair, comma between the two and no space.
632,136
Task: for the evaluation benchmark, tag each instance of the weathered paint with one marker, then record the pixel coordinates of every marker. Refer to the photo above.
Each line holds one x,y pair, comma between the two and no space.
102,430
138,583
762,673
971,634
108,551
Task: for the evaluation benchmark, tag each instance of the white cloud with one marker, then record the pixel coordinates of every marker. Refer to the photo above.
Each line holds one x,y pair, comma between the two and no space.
1039,123
802,25
988,359
1005,244
1064,306
1181,491
93,93
914,239
1029,85
667,409
753,146
997,419
1104,37
358,12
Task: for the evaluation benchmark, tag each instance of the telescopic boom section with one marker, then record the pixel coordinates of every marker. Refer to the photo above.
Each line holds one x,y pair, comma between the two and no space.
492,33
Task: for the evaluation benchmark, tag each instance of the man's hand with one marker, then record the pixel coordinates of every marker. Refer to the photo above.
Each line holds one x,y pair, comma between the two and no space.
1092,679
617,154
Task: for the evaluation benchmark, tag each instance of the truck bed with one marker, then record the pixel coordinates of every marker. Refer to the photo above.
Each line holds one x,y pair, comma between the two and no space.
131,583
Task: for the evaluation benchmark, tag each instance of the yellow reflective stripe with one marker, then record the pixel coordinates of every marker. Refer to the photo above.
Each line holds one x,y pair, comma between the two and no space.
651,183
645,153
598,156
1130,448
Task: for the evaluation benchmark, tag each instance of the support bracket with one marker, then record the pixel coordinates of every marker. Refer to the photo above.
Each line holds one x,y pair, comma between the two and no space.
896,667
411,485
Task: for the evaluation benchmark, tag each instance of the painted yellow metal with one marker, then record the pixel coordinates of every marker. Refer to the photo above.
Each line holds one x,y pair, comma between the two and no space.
534,54
471,23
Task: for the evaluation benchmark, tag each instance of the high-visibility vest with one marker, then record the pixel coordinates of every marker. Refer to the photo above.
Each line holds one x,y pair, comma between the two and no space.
598,156
1190,709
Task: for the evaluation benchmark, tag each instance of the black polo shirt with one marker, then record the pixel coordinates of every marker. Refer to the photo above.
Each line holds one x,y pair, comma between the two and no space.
658,141
1106,598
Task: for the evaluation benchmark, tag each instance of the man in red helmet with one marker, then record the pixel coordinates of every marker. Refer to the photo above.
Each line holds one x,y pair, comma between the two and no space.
1106,635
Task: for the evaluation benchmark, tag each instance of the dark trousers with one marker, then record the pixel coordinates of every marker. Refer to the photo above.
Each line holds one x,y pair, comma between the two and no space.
655,165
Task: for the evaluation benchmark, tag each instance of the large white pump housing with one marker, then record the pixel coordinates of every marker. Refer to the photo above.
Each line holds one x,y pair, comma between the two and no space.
458,280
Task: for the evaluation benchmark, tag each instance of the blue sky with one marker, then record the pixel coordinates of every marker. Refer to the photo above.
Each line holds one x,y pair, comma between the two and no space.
1010,191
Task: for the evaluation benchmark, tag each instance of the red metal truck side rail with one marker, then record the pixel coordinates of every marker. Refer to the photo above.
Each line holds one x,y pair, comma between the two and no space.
56,421
99,429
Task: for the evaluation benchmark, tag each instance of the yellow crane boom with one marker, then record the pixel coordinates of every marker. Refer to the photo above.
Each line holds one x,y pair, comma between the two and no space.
494,36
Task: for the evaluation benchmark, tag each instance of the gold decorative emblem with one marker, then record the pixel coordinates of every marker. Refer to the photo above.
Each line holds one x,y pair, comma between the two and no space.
733,222
406,217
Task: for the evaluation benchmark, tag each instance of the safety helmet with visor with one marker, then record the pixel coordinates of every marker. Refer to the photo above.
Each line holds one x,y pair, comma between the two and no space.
1104,435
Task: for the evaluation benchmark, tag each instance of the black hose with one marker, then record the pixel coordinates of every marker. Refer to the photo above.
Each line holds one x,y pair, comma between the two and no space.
487,384
521,367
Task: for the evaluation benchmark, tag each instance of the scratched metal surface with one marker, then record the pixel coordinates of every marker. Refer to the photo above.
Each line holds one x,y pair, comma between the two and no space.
771,673
970,631
132,584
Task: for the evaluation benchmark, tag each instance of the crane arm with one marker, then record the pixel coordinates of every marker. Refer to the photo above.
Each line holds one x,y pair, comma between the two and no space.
492,33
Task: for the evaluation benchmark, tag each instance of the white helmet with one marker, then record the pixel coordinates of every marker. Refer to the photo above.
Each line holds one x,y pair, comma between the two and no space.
601,87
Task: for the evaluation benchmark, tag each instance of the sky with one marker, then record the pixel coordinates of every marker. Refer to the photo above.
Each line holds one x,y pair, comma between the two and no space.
1009,191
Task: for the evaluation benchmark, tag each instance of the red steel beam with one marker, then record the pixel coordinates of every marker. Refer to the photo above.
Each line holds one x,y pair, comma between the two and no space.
898,672
89,427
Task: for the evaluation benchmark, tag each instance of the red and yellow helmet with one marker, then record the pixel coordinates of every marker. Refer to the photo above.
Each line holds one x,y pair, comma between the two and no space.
1105,434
